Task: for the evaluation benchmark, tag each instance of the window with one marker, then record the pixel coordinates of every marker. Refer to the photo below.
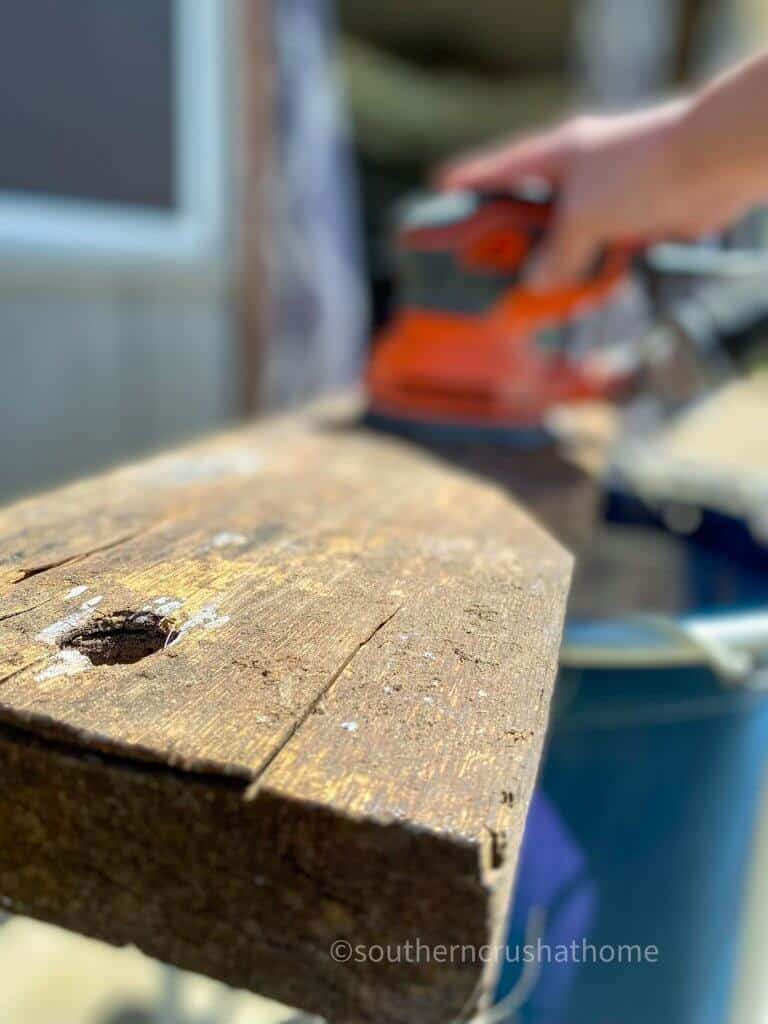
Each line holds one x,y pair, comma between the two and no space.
113,127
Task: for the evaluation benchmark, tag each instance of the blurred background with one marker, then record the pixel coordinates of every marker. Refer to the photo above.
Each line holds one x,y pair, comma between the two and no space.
193,217
196,200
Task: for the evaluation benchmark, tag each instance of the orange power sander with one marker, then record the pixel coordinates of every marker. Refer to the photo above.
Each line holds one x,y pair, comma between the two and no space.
466,353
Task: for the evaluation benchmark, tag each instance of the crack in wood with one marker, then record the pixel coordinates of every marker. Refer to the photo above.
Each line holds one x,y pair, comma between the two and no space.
23,611
259,773
35,570
23,668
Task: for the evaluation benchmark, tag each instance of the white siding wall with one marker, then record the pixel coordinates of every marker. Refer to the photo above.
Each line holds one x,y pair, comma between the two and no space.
89,376
117,326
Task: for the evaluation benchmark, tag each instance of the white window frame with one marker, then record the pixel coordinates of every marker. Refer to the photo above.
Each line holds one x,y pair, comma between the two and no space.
71,236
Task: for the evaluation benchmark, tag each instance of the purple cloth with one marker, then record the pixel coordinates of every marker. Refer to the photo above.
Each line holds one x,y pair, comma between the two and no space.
553,875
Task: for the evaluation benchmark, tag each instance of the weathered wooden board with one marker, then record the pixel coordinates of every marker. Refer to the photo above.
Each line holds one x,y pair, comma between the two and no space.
335,737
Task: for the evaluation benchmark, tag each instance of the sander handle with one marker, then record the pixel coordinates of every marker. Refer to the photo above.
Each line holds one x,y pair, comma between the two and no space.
528,211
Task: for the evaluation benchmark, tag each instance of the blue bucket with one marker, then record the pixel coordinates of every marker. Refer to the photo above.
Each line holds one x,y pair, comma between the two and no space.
631,888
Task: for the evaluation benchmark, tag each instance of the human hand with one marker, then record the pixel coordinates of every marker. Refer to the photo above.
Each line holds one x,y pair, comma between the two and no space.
627,178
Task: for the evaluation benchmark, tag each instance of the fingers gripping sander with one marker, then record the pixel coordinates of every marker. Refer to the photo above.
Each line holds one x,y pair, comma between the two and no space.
463,354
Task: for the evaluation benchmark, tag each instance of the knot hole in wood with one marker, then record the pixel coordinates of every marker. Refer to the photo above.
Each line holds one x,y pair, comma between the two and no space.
121,638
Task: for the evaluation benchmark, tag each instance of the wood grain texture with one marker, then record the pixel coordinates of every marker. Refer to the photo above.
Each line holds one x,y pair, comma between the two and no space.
339,742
